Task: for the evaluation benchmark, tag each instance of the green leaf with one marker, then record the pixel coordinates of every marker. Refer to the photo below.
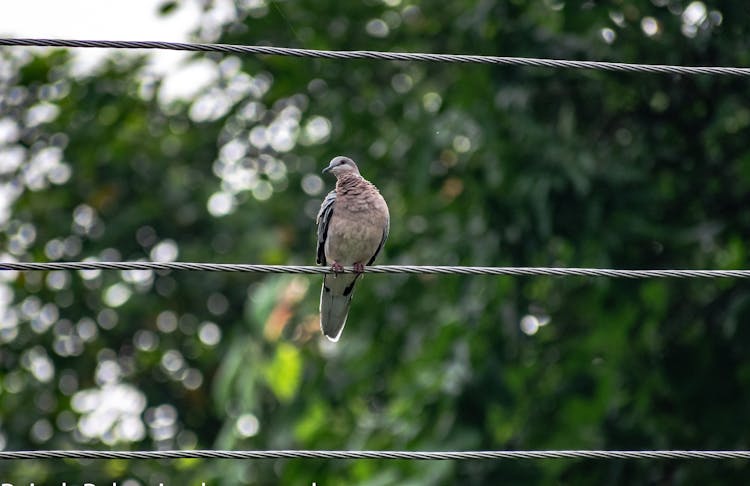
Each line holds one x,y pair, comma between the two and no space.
167,8
283,374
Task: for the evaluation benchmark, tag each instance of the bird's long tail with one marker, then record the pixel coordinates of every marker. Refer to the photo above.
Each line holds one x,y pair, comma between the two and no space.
335,298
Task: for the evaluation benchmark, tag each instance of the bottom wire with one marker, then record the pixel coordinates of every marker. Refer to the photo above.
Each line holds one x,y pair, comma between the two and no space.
404,455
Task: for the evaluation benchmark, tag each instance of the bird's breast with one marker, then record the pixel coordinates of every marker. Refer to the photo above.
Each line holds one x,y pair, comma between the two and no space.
353,237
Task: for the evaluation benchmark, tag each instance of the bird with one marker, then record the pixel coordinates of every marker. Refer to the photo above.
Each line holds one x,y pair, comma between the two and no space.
353,225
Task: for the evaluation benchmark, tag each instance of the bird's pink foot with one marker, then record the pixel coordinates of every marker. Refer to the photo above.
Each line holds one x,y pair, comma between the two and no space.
359,267
337,267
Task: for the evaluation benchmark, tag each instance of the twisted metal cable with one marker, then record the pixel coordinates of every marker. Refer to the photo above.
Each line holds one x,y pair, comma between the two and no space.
388,56
410,269
409,455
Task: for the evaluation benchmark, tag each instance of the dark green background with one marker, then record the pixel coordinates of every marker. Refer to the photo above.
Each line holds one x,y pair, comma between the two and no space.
480,165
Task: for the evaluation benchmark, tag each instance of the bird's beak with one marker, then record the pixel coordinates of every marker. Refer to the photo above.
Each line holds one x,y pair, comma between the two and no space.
326,169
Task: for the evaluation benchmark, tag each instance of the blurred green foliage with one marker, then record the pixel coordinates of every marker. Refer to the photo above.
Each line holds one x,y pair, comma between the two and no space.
480,165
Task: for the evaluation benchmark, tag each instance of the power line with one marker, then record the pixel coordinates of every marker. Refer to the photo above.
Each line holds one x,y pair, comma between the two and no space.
410,269
380,55
407,455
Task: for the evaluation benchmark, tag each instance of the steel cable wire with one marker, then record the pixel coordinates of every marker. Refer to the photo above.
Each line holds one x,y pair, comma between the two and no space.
380,55
405,455
391,269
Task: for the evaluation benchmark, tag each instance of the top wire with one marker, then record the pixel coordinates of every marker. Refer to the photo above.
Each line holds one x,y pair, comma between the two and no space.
387,56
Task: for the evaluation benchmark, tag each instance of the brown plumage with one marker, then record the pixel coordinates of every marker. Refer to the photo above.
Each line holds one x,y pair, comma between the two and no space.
353,225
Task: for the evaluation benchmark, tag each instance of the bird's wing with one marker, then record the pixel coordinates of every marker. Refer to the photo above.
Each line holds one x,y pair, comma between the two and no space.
324,220
386,230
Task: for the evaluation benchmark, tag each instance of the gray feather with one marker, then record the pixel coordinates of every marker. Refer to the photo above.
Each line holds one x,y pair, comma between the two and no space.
386,230
324,220
335,299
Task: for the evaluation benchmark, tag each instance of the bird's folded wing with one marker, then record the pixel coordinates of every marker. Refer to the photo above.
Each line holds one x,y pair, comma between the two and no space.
386,230
324,220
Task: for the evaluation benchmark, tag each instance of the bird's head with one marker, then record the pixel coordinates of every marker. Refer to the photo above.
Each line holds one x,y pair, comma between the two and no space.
340,166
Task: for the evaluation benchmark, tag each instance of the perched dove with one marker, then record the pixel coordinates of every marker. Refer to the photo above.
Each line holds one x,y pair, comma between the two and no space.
353,224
